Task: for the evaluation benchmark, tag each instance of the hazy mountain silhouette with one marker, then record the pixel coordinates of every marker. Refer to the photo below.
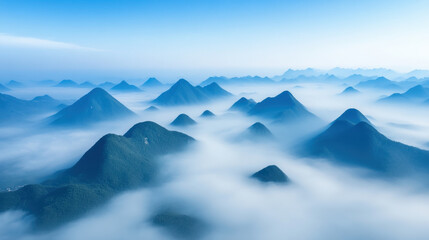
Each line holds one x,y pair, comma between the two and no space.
114,164
353,116
46,83
283,107
125,87
349,91
3,88
152,83
414,94
67,83
180,226
237,80
14,110
258,130
106,85
96,106
151,109
183,93
214,90
356,78
183,120
243,105
15,84
207,114
271,174
379,83
363,146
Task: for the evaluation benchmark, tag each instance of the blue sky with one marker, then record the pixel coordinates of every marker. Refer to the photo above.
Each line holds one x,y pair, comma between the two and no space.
195,39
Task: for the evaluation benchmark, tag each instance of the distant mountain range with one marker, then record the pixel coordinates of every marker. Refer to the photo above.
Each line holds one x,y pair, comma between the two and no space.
96,106
113,165
237,80
14,110
152,83
379,83
183,93
67,83
3,88
355,143
417,94
281,108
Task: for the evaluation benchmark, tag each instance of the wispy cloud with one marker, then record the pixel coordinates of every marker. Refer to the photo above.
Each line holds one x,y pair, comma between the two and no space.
18,41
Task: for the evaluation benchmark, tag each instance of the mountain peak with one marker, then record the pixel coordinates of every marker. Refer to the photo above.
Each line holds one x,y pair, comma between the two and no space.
152,82
44,98
243,105
353,116
271,173
182,93
97,105
283,107
260,130
183,120
67,83
151,109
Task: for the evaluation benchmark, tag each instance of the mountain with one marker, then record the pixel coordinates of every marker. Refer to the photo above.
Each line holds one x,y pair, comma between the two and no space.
414,94
151,109
86,85
380,83
213,90
271,174
183,120
361,145
114,164
353,116
207,114
106,85
183,93
291,74
15,84
3,88
180,226
237,80
283,107
243,105
152,83
349,91
96,106
258,130
67,83
125,87
14,110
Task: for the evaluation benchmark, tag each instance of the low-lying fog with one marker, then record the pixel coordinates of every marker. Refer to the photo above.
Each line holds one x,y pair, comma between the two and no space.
211,179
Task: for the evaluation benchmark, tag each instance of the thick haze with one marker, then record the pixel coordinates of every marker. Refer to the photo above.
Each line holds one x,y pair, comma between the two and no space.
111,40
210,180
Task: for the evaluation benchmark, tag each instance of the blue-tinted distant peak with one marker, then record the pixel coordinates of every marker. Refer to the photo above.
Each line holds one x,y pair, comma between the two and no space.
353,116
